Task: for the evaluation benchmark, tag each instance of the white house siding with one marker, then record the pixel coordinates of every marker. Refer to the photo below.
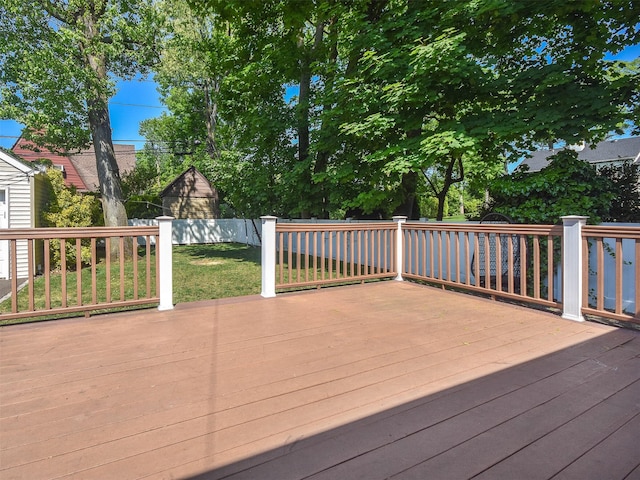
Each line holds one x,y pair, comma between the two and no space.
18,190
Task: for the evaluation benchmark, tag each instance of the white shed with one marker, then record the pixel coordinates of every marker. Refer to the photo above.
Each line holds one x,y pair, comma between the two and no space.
23,195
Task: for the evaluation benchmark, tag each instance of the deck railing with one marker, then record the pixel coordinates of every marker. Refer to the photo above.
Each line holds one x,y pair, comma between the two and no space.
611,271
99,268
573,267
322,254
518,262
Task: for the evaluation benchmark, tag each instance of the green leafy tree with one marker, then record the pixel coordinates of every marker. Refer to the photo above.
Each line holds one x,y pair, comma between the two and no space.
481,80
567,186
58,64
626,181
390,90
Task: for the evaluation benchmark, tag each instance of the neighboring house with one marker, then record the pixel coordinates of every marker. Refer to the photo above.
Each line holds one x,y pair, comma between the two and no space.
78,169
23,197
609,152
29,152
190,195
85,164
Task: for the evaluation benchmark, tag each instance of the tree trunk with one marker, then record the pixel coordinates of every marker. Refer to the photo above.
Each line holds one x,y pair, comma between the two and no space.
101,135
100,126
327,130
304,105
211,92
108,172
449,180
409,206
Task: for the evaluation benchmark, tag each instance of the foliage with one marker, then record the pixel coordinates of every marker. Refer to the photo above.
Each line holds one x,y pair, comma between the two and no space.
390,98
429,207
67,208
626,181
59,62
567,186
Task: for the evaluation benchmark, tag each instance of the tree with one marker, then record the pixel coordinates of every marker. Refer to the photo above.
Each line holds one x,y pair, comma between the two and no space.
483,80
626,181
58,63
391,91
567,186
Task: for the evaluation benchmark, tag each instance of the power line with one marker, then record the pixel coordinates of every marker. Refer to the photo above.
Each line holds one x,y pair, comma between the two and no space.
138,105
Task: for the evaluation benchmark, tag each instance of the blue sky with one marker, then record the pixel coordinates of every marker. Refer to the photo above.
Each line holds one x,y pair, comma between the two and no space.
138,100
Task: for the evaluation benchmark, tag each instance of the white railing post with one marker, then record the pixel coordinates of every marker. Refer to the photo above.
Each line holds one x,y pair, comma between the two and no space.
399,219
268,256
572,267
164,251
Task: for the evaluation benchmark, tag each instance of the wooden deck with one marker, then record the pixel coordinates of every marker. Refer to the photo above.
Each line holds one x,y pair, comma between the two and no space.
386,380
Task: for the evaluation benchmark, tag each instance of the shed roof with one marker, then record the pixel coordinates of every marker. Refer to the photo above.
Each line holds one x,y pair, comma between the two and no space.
190,183
603,152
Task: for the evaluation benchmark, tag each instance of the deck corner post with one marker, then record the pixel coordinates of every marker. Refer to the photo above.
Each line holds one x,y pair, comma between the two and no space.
164,252
399,219
268,256
572,267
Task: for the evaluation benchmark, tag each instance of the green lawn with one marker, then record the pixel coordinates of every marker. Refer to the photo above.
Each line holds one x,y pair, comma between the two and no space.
200,272
204,272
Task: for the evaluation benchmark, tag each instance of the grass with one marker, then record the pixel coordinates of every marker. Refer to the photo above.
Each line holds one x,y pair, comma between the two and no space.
200,272
204,272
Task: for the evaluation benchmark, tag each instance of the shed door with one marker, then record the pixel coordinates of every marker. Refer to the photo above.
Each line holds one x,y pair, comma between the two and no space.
4,244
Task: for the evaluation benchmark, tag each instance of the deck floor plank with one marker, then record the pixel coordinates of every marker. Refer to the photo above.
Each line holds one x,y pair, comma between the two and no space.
367,381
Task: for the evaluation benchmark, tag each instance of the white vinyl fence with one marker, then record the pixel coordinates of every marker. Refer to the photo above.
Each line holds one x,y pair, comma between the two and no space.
225,230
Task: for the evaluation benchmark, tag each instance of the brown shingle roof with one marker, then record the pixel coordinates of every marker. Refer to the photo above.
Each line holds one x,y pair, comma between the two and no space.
190,183
79,168
85,163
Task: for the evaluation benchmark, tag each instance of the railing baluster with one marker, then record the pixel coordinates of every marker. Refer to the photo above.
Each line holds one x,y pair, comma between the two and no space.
30,276
79,270
467,252
148,264
551,269
619,257
122,256
447,239
134,257
536,266
457,260
63,271
94,272
523,265
345,236
299,256
599,274
487,261
13,259
47,275
315,256
281,256
499,237
107,247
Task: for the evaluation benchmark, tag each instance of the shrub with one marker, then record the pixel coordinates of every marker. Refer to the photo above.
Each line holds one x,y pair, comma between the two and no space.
68,208
567,186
